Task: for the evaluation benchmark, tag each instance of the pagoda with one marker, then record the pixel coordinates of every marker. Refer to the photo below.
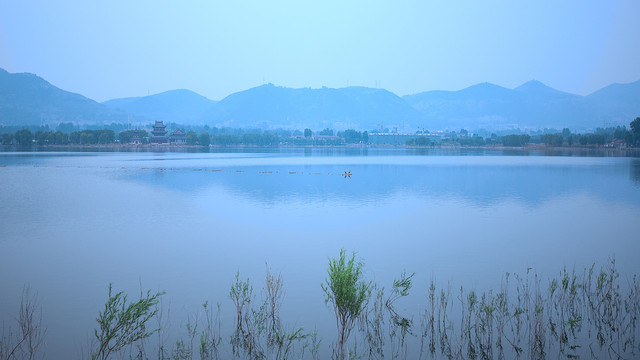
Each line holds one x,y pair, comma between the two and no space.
159,133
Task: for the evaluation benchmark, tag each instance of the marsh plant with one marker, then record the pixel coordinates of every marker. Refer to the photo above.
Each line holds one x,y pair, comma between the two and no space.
200,337
24,341
588,314
380,321
594,315
122,323
211,336
259,332
348,293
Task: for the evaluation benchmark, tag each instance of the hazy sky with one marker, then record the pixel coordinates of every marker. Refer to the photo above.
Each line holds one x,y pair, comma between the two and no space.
117,48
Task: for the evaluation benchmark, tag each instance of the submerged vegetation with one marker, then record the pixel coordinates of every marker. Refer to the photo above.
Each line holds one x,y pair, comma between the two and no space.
592,314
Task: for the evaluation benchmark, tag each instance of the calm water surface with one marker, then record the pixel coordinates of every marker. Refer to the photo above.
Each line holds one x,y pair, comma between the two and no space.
71,223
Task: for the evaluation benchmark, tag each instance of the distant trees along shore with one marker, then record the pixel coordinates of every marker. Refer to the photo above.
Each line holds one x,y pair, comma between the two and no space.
609,137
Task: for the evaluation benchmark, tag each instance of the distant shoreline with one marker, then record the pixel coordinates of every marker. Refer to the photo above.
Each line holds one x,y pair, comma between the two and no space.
633,152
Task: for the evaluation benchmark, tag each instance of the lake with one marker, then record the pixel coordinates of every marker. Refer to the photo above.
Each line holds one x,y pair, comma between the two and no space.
186,223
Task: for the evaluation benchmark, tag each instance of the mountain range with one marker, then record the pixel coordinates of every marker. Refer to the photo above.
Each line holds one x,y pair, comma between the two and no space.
26,99
530,105
275,106
178,106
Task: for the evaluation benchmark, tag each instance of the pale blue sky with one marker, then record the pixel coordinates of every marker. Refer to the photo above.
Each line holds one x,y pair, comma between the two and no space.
116,48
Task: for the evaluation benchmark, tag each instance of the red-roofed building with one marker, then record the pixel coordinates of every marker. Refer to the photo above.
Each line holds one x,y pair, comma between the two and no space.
178,137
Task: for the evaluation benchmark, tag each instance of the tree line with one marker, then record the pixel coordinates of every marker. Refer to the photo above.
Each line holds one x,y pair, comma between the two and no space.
600,137
223,137
25,137
213,136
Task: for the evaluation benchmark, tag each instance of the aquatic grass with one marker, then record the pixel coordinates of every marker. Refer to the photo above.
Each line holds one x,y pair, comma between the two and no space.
348,293
588,314
27,340
212,335
259,333
595,315
124,323
383,311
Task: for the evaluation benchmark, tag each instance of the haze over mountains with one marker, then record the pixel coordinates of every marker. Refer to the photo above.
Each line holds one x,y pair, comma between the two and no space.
179,106
351,107
530,105
26,99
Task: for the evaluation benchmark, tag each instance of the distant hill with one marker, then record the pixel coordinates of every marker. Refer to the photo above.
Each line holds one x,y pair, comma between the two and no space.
531,105
351,107
179,106
616,101
26,99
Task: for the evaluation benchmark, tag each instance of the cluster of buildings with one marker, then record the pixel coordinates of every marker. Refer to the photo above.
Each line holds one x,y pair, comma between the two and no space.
159,135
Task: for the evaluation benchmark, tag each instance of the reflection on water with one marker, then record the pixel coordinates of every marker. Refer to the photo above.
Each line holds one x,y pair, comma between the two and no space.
634,171
187,222
480,180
